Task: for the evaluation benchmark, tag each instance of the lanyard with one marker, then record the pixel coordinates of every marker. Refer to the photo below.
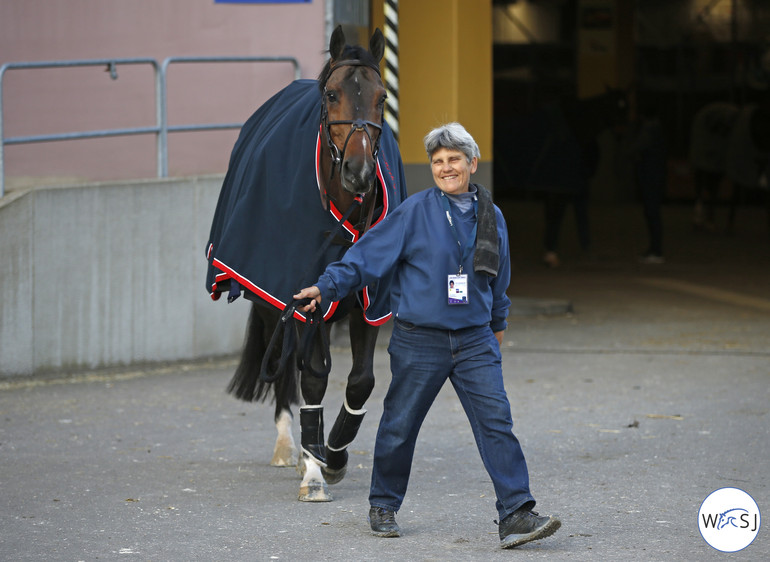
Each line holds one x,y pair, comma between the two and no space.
471,242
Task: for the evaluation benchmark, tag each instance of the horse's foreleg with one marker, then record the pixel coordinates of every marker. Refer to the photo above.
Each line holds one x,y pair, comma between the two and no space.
313,487
311,421
341,436
363,338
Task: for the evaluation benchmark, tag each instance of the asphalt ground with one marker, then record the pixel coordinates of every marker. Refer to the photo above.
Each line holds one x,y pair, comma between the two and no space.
636,391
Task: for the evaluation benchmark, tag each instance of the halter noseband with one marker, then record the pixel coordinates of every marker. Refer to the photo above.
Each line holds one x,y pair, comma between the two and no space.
355,124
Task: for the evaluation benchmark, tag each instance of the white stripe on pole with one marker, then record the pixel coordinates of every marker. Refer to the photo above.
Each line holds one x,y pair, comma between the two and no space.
391,64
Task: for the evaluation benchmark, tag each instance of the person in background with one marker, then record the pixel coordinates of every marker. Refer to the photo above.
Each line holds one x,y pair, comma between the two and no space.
449,235
649,149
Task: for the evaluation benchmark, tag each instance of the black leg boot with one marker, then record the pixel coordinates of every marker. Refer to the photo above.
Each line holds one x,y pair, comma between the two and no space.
312,461
311,422
341,436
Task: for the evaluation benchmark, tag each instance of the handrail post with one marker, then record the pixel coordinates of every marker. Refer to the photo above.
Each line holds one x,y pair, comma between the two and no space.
2,137
161,107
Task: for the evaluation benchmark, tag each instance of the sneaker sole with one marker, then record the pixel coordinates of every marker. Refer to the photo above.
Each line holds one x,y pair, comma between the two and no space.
545,531
387,534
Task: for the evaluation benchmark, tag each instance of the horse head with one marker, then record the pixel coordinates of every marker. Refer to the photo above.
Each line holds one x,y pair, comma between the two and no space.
352,104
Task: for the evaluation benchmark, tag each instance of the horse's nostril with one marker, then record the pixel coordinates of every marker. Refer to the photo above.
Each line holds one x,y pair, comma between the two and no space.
357,168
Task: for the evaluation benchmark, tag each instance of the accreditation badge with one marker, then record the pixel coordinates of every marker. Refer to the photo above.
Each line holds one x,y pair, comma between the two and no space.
458,289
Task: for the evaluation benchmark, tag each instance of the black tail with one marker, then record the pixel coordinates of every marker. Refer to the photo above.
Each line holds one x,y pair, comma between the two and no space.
246,384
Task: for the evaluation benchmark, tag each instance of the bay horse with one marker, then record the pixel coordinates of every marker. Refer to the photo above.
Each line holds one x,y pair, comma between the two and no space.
313,169
733,143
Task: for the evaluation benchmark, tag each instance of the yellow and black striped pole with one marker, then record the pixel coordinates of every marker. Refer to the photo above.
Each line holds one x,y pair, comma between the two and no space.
391,64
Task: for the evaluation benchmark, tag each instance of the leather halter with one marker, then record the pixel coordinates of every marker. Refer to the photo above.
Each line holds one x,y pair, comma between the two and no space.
355,124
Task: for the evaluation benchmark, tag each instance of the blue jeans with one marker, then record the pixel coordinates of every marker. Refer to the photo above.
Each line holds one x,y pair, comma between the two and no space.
421,359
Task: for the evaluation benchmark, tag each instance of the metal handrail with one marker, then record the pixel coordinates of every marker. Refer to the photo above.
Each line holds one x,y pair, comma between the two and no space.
161,129
111,65
164,126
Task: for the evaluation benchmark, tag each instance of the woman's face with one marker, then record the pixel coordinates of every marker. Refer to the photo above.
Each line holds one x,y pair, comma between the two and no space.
451,170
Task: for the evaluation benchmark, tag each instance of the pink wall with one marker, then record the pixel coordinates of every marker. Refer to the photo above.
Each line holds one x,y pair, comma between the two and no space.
78,99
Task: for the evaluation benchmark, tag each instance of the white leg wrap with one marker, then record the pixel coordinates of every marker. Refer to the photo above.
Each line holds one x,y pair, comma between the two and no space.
360,412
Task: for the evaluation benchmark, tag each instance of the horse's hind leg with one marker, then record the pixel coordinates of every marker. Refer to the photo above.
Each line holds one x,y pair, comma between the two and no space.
246,384
363,338
285,452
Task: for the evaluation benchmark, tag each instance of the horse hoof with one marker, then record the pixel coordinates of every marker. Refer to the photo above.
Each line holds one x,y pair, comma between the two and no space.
284,458
336,466
332,475
314,492
279,461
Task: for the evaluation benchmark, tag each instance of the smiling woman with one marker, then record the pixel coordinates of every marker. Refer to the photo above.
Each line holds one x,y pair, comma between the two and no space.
452,170
452,157
432,241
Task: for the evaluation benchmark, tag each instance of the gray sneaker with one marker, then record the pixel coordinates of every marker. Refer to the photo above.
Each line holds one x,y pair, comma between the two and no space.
523,526
383,522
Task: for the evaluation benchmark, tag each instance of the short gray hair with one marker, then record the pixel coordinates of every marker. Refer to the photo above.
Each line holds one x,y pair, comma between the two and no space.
454,137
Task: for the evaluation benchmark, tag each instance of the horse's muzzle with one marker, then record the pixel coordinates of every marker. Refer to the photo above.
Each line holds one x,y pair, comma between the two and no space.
358,180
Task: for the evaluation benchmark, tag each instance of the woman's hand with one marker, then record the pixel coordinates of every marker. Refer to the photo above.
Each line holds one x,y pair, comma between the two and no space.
309,293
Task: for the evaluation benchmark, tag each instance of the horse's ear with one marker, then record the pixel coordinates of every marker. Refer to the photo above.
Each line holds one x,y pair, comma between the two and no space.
377,45
337,43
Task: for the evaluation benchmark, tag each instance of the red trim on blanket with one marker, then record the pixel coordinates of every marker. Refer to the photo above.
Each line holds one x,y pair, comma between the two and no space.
230,273
318,164
385,197
333,208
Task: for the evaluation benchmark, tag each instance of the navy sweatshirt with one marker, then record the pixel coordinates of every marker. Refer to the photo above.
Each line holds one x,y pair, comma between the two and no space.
417,244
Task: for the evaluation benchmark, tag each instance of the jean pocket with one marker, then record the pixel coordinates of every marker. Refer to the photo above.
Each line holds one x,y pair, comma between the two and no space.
406,326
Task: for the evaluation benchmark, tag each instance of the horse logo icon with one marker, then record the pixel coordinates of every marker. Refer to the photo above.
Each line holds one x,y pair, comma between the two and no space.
729,519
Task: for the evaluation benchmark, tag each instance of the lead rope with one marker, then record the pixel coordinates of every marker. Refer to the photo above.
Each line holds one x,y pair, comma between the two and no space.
313,322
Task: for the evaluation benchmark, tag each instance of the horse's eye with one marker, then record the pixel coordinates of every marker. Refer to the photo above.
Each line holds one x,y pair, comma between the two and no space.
382,101
331,97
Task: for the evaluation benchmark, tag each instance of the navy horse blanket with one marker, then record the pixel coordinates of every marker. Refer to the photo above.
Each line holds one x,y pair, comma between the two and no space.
270,224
